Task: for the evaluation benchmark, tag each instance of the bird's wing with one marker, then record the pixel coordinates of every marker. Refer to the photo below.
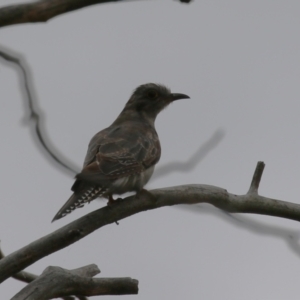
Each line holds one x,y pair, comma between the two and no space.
113,153
119,152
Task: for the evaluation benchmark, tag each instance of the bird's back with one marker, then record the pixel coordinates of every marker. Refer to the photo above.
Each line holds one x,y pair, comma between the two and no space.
120,158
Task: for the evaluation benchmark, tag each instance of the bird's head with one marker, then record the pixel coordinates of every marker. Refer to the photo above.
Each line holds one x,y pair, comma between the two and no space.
149,99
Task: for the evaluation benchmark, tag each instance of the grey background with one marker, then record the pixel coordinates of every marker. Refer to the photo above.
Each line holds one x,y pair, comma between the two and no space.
239,62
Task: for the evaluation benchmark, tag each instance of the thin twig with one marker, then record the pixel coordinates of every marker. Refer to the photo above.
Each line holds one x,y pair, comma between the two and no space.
193,161
35,114
289,236
256,178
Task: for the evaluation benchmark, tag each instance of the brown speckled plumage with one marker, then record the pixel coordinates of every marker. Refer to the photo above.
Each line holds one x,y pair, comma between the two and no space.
122,157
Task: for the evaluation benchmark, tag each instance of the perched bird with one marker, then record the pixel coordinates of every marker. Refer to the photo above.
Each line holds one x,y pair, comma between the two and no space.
121,157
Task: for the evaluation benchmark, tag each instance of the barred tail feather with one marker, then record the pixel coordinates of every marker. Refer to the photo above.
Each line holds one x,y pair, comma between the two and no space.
77,201
67,208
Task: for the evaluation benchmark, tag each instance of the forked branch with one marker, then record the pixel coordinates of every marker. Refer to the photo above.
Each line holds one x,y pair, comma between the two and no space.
29,277
58,282
185,194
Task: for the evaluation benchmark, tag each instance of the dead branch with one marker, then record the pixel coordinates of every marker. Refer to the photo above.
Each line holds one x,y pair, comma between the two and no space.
58,282
34,112
185,194
29,277
42,11
22,275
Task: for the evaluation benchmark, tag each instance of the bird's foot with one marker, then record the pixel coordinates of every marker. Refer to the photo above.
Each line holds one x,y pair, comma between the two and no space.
111,201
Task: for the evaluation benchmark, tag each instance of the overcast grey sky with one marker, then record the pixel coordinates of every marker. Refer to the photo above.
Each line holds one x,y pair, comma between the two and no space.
239,62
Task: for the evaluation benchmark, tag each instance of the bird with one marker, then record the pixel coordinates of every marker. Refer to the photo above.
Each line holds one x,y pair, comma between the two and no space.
121,158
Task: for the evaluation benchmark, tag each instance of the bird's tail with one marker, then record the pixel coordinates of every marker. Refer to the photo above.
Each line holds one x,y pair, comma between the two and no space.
83,193
68,207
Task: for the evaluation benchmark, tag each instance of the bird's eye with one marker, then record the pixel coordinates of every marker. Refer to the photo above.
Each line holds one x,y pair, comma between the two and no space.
152,94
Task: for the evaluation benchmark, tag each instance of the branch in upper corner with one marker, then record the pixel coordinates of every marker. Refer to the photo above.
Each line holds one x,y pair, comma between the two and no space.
35,113
185,194
256,178
42,11
57,282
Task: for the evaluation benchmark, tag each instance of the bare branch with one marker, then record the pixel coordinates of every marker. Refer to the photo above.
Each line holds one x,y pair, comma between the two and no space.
189,164
34,112
22,275
42,11
289,236
256,178
29,277
123,208
57,282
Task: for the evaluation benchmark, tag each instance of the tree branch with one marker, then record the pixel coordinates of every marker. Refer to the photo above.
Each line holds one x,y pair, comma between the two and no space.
185,194
22,276
42,11
58,282
256,178
35,114
29,277
289,236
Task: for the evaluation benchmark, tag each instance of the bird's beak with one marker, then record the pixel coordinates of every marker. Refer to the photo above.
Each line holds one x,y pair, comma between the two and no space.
177,96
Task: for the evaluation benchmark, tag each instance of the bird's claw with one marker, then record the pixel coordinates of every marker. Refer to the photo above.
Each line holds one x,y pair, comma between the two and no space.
111,201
